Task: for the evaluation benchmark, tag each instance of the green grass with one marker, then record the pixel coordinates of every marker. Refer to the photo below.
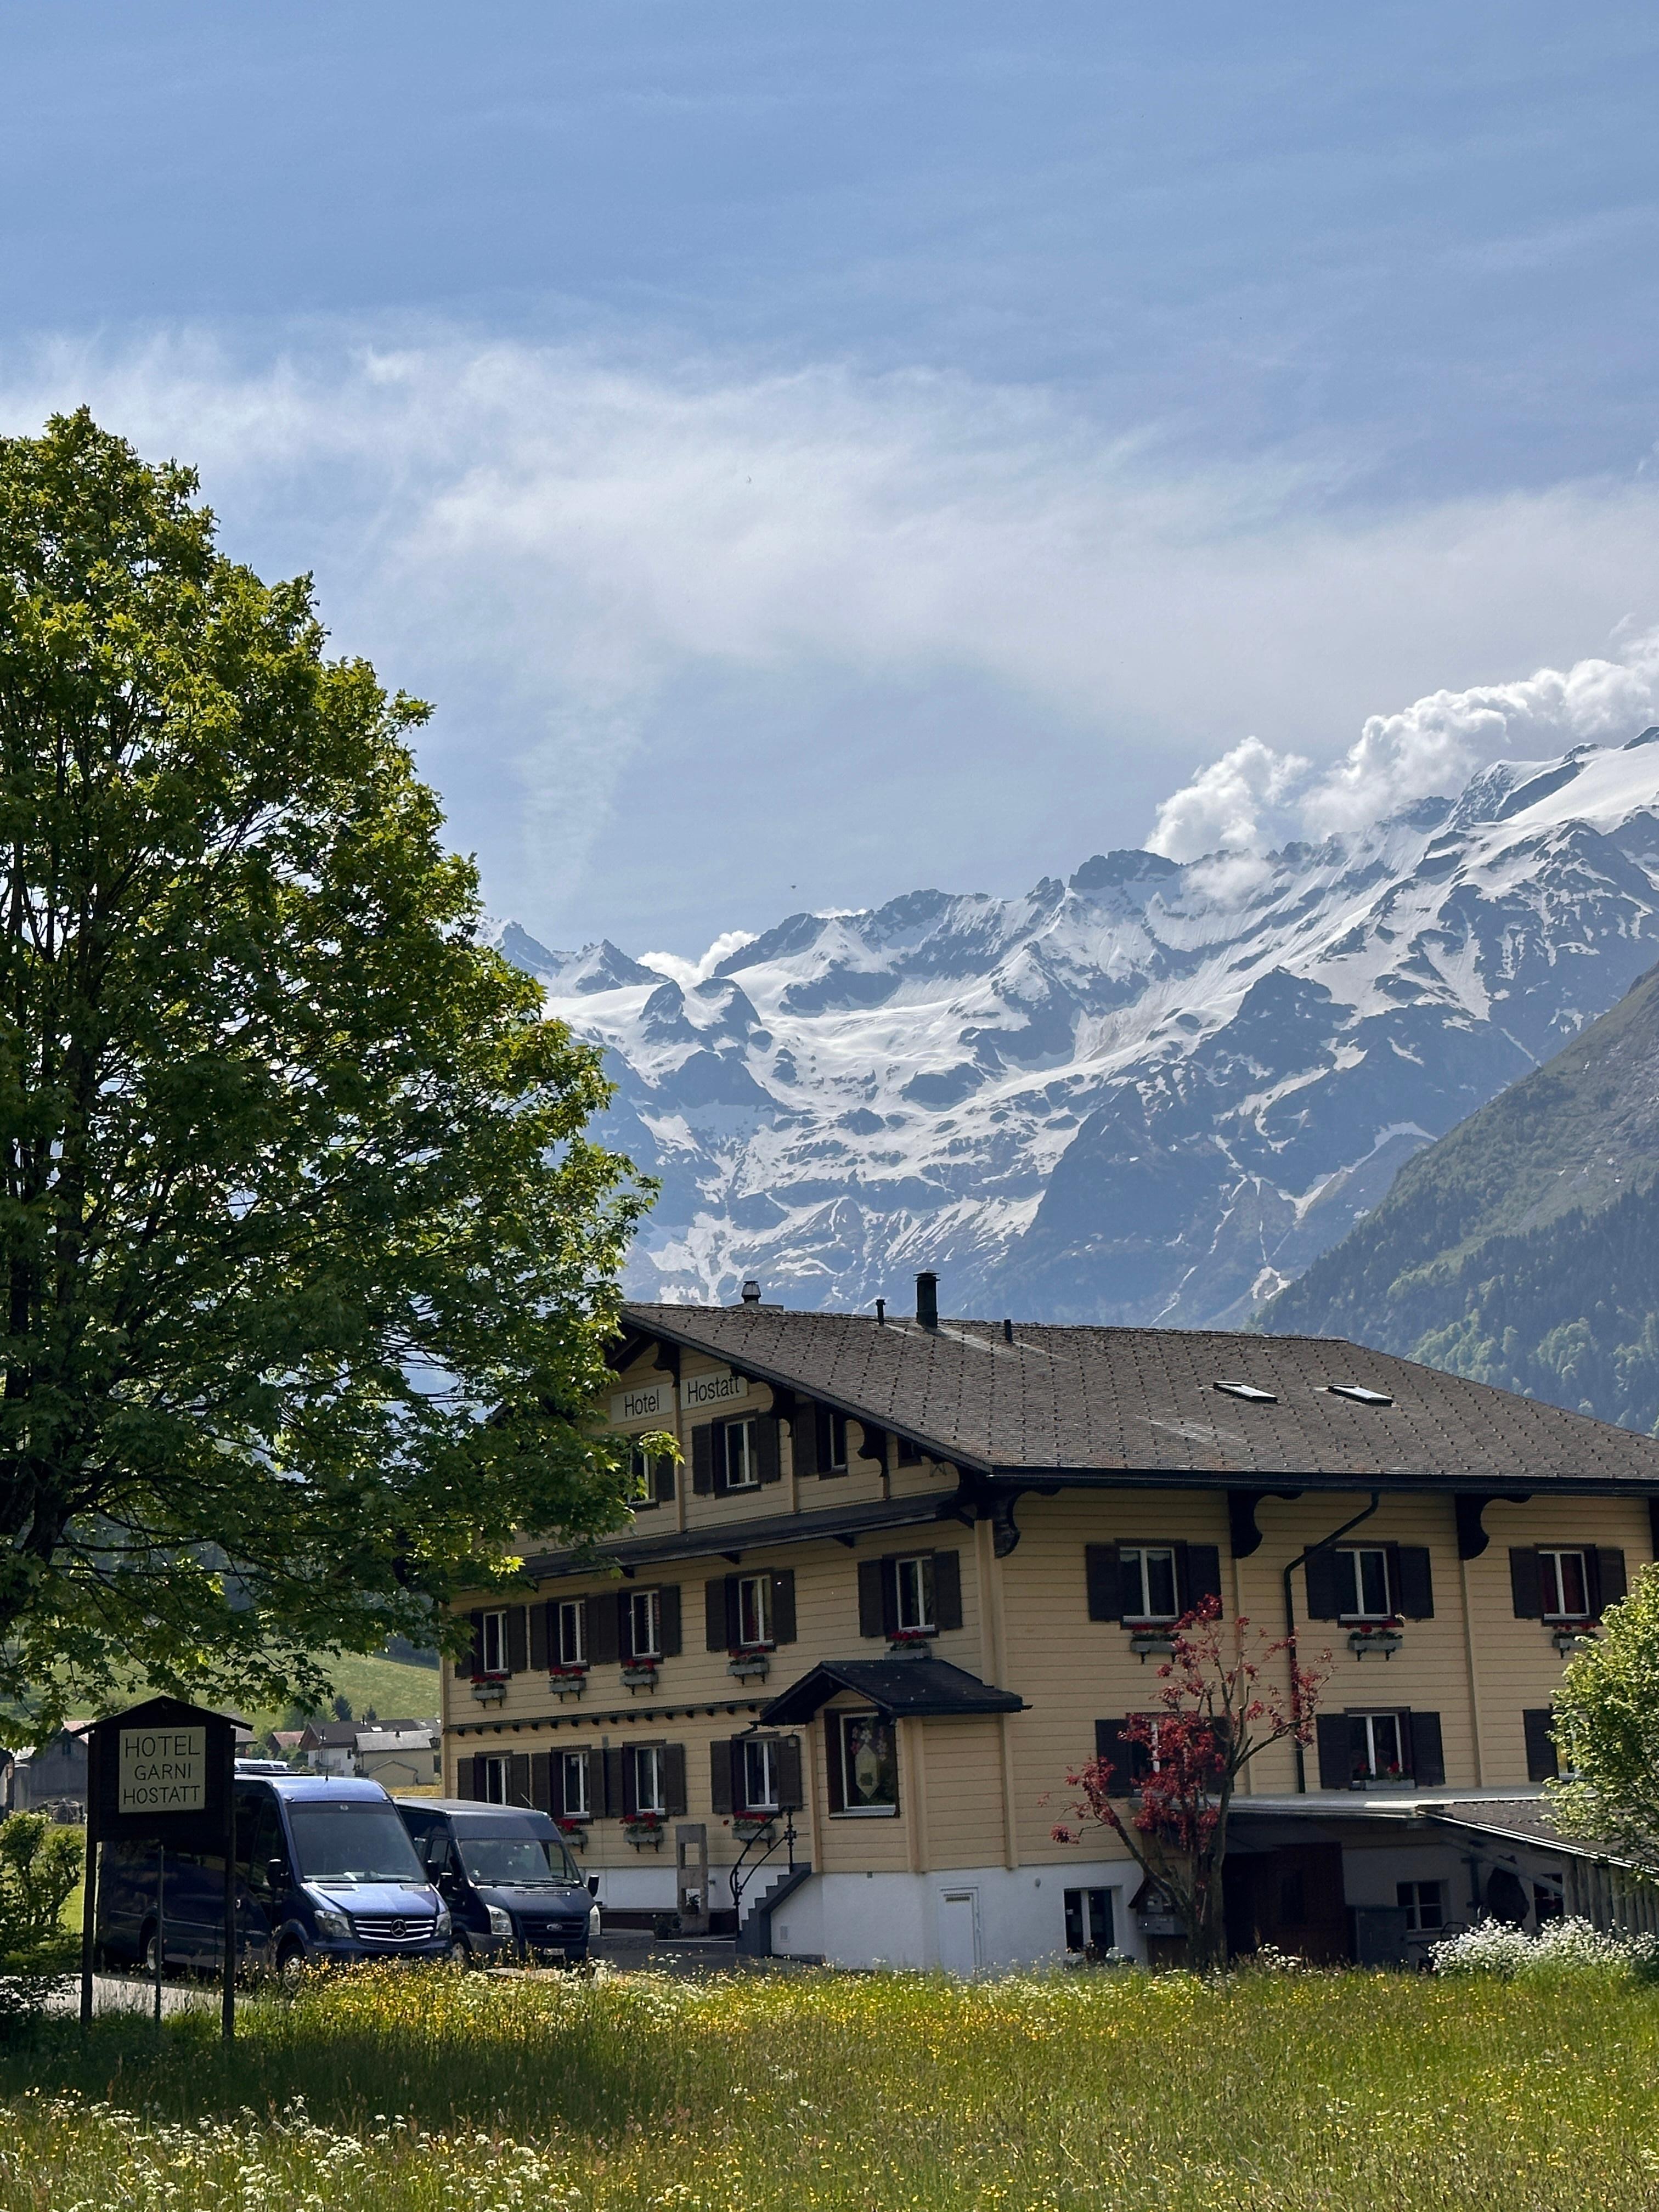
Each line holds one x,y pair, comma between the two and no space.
395,1690
1307,2092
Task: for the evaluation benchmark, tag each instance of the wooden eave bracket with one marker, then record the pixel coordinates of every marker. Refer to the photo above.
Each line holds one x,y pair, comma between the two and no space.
1469,1506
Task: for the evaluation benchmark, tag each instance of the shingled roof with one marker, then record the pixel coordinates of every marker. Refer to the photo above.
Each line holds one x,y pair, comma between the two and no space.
1087,1405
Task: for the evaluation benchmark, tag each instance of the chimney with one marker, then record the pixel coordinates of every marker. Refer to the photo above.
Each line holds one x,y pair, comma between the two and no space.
751,1293
927,1298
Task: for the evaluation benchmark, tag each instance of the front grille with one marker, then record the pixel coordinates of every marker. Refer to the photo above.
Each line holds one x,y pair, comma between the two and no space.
542,1931
394,1927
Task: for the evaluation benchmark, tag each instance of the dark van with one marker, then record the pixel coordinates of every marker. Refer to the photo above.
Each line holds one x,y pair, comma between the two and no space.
505,1874
325,1872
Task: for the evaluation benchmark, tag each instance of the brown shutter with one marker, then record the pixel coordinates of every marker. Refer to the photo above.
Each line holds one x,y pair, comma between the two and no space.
1526,1585
1125,1759
466,1778
539,1615
518,1638
783,1605
625,1611
790,1797
1331,1733
1325,1599
663,1479
833,1775
470,1662
890,1595
604,1627
1610,1578
541,1781
614,1795
1411,1590
630,1783
1100,1570
518,1777
1201,1574
703,1458
673,1780
1542,1762
668,1598
767,1460
947,1589
716,1613
803,1436
556,1784
722,1763
872,1612
1428,1767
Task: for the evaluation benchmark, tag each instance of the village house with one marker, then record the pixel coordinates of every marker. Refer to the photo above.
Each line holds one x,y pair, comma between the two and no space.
829,1683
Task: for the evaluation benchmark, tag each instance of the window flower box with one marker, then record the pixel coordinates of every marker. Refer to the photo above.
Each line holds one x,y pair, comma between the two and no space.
574,1833
746,1827
567,1681
1568,1636
1368,1637
909,1642
1151,1642
747,1665
644,1832
489,1689
640,1673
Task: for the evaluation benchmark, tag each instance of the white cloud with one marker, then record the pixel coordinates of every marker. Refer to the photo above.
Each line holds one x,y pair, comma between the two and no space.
687,972
1223,809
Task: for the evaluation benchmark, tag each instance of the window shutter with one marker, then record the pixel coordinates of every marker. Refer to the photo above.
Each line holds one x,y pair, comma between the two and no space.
664,1478
1100,1569
518,1639
518,1779
722,1766
872,1609
790,1797
1428,1759
1325,1601
767,1460
556,1784
1412,1591
538,1615
703,1458
947,1589
1202,1574
1128,1588
1610,1574
783,1605
1526,1585
604,1633
466,1786
624,1614
1542,1764
541,1781
716,1613
613,1795
669,1599
890,1595
673,1781
803,1436
1118,1754
471,1662
630,1783
833,1775
1335,1762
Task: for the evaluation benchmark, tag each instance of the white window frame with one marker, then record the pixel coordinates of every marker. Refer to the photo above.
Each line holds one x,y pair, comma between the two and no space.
755,1613
493,1630
641,1475
743,1432
1414,1895
648,1761
760,1775
572,1633
1138,1558
837,1457
645,1604
575,1762
1373,1771
914,1603
1550,1557
1352,1605
497,1779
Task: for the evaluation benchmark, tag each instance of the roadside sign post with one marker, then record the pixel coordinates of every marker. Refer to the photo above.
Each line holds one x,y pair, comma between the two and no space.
162,1772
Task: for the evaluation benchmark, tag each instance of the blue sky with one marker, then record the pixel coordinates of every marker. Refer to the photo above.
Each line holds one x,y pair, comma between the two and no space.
807,452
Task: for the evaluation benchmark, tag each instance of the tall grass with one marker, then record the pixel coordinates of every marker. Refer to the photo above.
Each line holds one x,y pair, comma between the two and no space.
1313,2093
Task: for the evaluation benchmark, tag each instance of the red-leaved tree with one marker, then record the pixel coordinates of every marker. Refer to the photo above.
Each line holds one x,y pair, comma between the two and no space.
1223,1696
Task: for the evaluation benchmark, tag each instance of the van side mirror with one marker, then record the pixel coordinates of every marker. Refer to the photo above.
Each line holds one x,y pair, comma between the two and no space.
277,1874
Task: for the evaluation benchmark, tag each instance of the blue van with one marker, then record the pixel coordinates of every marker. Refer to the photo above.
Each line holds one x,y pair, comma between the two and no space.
507,1878
325,1872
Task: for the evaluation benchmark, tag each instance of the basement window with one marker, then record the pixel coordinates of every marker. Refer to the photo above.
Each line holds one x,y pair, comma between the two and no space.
1358,1392
1250,1392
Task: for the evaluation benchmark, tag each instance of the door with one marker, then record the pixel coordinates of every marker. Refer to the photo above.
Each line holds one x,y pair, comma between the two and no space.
958,1931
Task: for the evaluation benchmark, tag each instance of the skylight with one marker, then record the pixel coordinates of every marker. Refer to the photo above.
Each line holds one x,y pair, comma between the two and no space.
1360,1395
1249,1392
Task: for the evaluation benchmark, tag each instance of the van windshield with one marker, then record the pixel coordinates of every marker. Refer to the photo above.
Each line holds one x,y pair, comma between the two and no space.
514,1860
360,1842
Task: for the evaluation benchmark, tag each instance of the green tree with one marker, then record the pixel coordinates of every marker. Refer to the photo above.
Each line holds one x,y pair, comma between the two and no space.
308,1262
40,1865
1606,1732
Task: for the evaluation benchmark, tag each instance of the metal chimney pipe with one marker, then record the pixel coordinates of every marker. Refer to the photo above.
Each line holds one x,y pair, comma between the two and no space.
927,1298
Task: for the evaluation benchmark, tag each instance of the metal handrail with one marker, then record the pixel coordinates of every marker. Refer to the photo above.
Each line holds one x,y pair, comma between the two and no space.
739,1879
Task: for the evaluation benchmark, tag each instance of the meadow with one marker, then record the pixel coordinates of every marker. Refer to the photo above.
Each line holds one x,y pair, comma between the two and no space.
1032,2094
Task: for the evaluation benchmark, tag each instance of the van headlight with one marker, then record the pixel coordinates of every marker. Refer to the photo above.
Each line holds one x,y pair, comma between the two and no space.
333,1923
500,1923
593,1922
443,1927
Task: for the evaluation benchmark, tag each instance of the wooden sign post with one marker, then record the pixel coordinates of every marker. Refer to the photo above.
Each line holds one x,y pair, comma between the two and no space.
162,1772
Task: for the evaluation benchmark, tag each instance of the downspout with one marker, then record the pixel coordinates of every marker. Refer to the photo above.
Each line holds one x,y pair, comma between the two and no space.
1290,1628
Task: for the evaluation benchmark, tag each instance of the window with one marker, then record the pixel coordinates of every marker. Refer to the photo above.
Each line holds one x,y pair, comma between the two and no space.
832,1442
760,1775
645,1624
492,1781
754,1610
1425,1905
1088,1922
864,1752
492,1644
1251,1393
574,1780
1362,1584
1149,1581
1566,1581
742,1467
1376,1747
641,1476
649,1795
571,1647
915,1592
1359,1393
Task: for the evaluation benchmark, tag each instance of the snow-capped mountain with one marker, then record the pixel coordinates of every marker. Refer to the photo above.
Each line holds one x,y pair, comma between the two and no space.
1152,1092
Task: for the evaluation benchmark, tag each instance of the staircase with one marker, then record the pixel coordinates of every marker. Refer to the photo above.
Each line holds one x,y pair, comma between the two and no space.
755,1936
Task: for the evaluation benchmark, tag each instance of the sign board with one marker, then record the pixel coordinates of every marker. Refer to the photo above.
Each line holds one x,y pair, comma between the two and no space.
651,1401
720,1390
161,1770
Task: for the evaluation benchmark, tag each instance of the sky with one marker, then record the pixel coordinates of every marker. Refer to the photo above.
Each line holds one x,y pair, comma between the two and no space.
806,453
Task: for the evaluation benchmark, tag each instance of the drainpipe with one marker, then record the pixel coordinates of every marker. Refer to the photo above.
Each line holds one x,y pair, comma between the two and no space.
1290,1626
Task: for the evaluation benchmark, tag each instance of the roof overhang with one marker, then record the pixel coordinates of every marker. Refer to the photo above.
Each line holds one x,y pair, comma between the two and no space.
904,1689
842,1523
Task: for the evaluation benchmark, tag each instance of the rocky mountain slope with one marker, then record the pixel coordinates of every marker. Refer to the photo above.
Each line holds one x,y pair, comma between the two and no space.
1523,1248
1148,1092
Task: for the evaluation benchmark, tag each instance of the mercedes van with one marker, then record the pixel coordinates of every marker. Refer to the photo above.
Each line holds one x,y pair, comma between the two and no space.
507,1877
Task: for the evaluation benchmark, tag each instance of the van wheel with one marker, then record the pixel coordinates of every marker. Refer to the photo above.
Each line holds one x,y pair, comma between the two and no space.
290,1963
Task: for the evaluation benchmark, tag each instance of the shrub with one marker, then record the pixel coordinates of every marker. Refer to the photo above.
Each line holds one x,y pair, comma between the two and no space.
1561,1946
